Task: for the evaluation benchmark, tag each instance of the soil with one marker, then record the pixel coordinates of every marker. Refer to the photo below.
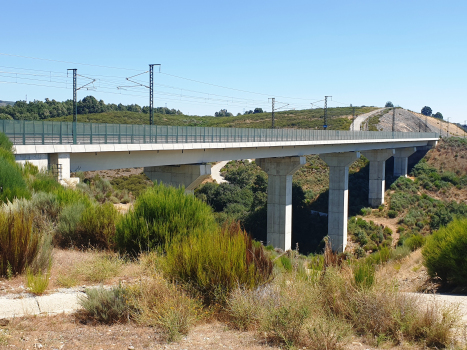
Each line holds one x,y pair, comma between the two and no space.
66,332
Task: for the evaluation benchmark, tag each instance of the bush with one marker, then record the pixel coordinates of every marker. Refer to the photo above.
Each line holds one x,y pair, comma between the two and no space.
12,184
160,215
44,182
364,274
445,253
106,306
414,242
19,243
5,143
215,262
92,226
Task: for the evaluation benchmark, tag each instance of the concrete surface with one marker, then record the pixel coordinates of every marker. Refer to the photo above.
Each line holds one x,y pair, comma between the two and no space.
18,305
279,221
401,160
189,176
216,171
338,205
377,175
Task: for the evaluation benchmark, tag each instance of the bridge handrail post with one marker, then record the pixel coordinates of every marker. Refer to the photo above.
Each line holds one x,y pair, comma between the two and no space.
186,134
43,132
24,131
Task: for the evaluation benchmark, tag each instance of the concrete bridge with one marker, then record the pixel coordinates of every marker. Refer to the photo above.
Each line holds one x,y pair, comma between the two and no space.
180,156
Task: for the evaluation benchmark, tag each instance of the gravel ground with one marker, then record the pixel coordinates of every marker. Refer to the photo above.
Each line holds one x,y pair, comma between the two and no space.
405,121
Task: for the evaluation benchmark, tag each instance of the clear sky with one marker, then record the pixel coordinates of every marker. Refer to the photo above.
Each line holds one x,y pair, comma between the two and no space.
410,52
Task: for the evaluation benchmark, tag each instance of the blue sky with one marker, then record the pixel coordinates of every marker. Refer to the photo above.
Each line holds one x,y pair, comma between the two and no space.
412,53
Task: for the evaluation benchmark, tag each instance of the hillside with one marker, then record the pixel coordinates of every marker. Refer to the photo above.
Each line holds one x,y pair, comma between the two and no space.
338,119
6,103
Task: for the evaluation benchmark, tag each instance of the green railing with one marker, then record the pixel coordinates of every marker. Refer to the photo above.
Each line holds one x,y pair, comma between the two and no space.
47,133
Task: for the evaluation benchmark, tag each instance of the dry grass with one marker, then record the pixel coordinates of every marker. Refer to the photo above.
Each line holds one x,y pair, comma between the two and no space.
158,303
72,268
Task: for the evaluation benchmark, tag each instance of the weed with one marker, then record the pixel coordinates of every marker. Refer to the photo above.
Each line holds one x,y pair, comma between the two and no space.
37,283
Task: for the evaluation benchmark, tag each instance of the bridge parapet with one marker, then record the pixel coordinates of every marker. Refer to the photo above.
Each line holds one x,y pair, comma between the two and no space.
23,132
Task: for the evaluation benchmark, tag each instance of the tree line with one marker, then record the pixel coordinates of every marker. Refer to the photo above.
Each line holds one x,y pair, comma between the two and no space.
39,110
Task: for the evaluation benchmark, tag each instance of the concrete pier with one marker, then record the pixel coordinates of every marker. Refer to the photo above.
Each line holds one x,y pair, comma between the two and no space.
377,177
280,172
338,207
188,175
401,156
60,162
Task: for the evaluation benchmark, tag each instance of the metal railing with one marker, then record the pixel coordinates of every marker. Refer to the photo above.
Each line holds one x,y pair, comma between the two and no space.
47,133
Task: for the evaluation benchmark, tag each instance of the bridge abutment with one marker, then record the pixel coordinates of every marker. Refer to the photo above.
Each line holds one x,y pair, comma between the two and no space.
377,177
188,175
401,157
338,207
279,223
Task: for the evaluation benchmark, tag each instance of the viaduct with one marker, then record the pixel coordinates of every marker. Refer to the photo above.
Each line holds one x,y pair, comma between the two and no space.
181,156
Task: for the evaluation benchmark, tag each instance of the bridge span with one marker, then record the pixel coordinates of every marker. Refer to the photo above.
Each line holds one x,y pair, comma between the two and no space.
180,156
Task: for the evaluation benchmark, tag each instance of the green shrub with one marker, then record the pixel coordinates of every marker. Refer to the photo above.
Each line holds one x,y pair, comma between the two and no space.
414,242
106,306
216,262
92,226
37,283
285,262
365,211
20,244
364,274
44,182
5,143
46,204
392,214
66,196
158,216
68,221
400,253
445,253
12,184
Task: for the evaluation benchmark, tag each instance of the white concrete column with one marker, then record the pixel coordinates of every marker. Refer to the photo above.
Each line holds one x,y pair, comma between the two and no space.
338,207
280,172
188,175
60,161
401,159
377,160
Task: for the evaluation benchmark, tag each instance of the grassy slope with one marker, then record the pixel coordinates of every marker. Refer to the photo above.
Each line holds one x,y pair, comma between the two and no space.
338,119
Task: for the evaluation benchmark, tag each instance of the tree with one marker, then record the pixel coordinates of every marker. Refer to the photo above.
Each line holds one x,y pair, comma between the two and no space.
258,110
438,115
389,104
427,111
223,113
